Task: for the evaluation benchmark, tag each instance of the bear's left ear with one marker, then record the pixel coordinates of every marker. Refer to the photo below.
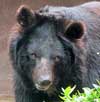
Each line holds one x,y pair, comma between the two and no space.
74,30
24,16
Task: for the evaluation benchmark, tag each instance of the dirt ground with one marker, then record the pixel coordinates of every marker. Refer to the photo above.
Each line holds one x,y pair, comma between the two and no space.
7,20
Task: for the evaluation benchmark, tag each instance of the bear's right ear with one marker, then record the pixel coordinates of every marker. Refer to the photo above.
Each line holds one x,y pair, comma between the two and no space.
24,16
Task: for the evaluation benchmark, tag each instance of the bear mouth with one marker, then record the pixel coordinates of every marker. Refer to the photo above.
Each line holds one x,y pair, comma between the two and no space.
43,88
50,90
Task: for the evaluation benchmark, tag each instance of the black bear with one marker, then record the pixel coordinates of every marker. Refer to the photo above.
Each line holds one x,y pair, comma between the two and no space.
54,47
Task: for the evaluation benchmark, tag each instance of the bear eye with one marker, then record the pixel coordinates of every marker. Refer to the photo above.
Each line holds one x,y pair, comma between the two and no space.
34,55
57,58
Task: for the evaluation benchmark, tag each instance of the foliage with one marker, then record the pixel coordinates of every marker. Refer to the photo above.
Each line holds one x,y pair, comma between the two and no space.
89,95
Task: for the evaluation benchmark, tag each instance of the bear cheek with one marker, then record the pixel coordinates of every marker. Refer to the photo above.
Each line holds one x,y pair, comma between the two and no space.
43,75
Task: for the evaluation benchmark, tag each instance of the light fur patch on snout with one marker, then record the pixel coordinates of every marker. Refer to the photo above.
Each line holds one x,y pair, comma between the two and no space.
43,71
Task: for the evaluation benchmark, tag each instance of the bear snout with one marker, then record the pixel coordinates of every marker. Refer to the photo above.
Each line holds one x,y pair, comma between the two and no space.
43,75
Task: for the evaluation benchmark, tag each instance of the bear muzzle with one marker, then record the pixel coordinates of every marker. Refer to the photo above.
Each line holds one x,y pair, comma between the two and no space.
43,75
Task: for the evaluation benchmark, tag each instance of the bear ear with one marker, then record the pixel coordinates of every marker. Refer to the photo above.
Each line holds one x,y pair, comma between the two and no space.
74,30
24,16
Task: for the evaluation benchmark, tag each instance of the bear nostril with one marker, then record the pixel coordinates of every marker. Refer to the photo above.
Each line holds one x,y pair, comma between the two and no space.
45,83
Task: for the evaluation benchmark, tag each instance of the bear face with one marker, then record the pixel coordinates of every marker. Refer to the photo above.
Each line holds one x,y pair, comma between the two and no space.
42,54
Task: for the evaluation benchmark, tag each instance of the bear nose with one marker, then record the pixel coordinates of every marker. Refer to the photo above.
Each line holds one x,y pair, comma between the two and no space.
45,83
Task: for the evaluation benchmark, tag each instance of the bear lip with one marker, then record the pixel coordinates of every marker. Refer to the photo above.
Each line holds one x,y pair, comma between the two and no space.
42,88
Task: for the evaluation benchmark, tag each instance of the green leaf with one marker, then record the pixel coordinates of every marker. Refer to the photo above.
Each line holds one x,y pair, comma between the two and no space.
87,91
89,95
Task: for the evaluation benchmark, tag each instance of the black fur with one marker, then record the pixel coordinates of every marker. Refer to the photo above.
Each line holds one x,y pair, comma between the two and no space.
78,64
